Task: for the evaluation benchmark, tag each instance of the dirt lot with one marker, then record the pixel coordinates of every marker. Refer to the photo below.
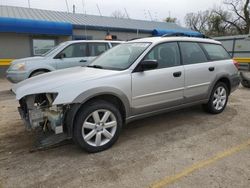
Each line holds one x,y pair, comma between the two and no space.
187,148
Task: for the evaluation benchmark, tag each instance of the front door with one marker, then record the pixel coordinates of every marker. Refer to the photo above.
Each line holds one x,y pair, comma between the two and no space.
73,55
162,87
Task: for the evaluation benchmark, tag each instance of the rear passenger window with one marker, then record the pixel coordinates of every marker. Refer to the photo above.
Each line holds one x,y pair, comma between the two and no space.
216,52
192,53
96,49
166,54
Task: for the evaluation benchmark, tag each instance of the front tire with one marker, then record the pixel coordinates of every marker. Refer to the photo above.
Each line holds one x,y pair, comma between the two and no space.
97,127
218,99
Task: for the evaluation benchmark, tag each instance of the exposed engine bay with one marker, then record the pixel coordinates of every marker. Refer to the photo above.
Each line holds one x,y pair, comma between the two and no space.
37,111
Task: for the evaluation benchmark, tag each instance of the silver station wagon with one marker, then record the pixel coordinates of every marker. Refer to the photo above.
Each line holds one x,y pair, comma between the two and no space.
133,80
65,55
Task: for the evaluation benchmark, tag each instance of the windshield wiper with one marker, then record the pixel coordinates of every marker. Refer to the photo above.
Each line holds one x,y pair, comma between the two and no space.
95,66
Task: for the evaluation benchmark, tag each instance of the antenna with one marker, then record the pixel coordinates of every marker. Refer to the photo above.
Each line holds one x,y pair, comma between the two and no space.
83,6
126,13
29,3
99,9
150,15
67,5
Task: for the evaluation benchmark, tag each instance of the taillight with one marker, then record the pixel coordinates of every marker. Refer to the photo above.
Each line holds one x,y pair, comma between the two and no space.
236,64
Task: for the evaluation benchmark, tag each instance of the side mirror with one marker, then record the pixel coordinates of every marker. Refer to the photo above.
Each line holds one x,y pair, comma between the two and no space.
61,56
148,65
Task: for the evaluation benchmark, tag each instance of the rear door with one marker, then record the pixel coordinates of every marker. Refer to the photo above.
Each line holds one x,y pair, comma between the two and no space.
71,56
199,72
162,87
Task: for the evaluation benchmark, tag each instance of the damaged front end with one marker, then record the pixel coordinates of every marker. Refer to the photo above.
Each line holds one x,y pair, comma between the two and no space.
38,111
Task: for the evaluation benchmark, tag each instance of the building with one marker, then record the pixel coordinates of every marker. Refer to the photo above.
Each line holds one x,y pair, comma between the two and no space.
28,32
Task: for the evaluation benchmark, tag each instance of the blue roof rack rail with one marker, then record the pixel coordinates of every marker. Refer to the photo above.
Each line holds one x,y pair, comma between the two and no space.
183,35
174,33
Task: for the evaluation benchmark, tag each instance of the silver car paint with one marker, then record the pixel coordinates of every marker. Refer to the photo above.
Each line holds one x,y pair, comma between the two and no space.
76,85
49,63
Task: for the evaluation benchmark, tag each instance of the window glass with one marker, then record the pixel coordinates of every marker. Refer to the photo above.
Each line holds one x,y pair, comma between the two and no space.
216,52
96,49
120,57
41,46
75,50
114,44
167,55
192,53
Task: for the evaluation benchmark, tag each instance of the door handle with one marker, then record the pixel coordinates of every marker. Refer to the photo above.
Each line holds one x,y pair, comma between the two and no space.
177,74
211,69
83,61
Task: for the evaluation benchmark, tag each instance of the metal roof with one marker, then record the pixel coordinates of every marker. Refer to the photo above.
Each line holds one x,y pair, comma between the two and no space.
82,20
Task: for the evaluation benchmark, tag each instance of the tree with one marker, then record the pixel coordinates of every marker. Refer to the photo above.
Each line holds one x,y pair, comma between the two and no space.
218,21
198,21
118,14
170,20
238,15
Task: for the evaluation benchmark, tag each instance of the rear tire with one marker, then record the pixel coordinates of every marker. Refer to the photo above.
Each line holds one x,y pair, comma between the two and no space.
97,127
218,99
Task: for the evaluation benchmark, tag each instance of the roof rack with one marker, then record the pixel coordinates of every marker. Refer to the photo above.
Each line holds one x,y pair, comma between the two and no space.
184,35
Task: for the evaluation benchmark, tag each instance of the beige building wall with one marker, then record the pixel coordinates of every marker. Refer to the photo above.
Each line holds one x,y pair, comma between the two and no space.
14,46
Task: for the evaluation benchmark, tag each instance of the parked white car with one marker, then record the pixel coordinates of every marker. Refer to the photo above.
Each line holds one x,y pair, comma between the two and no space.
136,79
65,55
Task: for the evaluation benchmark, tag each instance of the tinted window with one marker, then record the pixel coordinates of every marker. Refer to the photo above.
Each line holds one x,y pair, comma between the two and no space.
95,49
167,55
216,52
192,53
75,50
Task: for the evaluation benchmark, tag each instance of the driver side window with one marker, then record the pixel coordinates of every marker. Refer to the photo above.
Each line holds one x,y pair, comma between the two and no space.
75,50
166,54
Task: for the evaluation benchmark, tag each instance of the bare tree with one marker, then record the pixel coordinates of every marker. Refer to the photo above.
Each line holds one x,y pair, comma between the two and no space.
237,16
198,21
118,14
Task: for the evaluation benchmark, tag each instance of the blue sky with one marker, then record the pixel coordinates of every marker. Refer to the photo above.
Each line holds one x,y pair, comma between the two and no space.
137,9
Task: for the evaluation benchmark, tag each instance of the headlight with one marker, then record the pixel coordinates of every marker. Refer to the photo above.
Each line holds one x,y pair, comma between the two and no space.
18,67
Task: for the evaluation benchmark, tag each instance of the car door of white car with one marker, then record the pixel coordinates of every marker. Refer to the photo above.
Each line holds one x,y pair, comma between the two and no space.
72,56
199,72
162,87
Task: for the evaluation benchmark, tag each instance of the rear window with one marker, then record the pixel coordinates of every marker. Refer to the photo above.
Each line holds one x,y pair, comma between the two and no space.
216,52
192,53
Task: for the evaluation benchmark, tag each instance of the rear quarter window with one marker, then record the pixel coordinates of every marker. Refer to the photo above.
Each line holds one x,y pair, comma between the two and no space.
216,52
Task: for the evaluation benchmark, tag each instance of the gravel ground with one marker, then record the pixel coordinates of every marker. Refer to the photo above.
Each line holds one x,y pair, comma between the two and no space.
148,151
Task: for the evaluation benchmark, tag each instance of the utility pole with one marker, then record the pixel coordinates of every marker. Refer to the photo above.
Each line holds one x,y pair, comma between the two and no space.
74,9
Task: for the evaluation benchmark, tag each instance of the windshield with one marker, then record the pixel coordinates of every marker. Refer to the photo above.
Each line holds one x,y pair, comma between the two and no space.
49,52
120,57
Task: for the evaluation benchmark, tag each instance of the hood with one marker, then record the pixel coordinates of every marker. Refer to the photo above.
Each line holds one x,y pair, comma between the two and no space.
49,82
25,60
